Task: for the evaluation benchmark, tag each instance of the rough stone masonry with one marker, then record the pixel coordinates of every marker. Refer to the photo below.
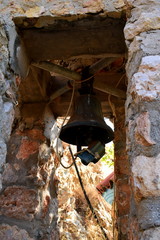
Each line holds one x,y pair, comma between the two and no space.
27,195
142,34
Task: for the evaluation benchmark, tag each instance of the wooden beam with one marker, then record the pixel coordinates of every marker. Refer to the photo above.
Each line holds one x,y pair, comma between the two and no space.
101,86
92,37
104,87
59,92
51,67
104,62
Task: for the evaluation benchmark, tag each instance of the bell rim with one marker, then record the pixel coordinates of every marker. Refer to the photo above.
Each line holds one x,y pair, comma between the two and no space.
104,129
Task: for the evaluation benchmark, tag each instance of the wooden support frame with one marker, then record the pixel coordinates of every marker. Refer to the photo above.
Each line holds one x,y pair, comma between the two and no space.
51,67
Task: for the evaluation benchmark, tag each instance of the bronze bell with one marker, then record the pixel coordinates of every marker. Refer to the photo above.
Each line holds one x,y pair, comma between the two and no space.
86,123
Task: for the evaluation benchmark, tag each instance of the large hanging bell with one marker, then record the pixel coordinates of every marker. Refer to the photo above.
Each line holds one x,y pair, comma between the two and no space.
86,124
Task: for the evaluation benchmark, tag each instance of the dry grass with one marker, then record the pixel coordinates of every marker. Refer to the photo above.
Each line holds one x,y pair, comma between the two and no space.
76,221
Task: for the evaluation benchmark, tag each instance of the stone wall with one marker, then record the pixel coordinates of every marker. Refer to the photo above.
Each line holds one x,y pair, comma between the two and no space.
28,199
143,116
60,7
7,97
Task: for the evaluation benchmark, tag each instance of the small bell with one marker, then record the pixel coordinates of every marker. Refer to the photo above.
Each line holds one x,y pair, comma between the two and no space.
86,123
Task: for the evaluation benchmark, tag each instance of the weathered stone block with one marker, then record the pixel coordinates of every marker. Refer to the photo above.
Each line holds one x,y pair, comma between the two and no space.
13,233
151,234
142,20
145,83
155,121
143,45
143,128
134,57
4,55
150,43
9,176
34,134
0,182
3,152
19,202
27,148
2,83
26,158
146,179
35,11
30,9
135,3
7,120
149,213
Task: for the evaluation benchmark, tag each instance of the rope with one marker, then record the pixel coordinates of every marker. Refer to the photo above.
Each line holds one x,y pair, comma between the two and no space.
67,113
86,196
85,80
109,98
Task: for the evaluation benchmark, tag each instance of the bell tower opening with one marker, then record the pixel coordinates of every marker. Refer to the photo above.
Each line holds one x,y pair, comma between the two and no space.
60,60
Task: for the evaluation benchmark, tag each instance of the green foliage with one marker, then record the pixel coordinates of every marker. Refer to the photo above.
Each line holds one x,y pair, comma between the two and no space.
108,158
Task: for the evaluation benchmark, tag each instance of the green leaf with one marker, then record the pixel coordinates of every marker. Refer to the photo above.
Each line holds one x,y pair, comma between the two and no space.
108,158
